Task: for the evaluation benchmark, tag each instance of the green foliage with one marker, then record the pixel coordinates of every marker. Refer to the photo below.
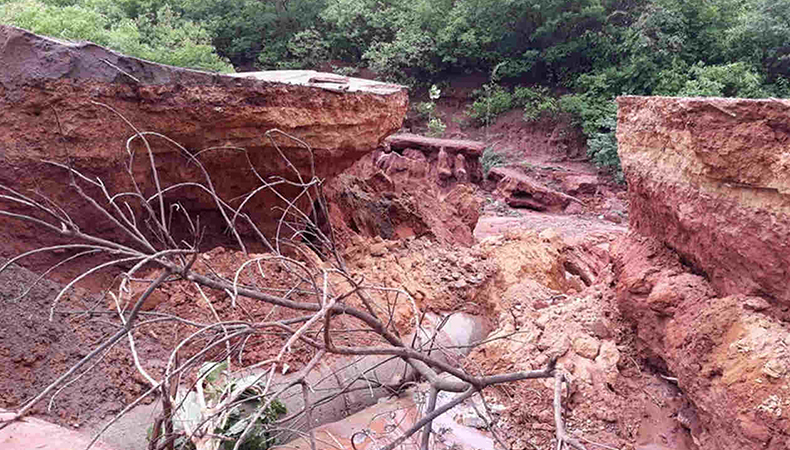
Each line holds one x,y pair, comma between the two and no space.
216,389
725,80
761,36
424,110
352,26
410,53
436,127
537,102
492,158
597,117
307,48
490,102
259,33
346,71
260,438
161,37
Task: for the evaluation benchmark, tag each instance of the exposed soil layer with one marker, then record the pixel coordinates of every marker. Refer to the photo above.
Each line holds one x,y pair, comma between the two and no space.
543,281
704,276
708,177
727,353
78,104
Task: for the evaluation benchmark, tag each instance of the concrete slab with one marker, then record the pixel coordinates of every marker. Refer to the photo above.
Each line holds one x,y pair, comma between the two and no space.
323,80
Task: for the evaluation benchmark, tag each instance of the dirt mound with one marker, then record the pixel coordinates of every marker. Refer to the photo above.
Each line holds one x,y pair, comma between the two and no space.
727,353
35,351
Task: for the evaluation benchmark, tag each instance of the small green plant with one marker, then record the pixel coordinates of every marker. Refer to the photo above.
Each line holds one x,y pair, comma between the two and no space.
436,127
427,111
492,158
537,102
491,101
424,110
214,392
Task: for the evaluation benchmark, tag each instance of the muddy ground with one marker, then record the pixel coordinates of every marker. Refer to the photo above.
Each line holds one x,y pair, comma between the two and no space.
621,402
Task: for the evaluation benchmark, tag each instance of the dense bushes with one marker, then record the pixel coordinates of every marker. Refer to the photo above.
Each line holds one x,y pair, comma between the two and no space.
160,35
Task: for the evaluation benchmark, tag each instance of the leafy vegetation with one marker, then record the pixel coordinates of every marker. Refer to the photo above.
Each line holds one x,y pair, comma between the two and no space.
214,388
591,50
537,102
158,34
492,158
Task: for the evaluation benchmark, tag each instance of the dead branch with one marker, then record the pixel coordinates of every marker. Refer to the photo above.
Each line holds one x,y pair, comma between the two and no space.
317,309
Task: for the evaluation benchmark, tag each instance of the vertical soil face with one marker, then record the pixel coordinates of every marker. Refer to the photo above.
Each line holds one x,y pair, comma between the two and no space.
704,276
709,178
77,104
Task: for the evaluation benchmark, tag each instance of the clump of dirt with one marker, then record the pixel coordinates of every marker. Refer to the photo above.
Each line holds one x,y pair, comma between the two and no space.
35,351
366,202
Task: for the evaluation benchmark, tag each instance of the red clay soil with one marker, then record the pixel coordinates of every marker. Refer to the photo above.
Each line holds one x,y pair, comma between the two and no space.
524,277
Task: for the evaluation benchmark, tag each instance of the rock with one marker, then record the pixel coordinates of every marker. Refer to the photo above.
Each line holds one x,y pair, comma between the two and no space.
775,368
756,303
135,289
554,344
708,178
412,164
467,205
607,360
49,92
393,163
378,249
613,217
520,191
586,346
580,184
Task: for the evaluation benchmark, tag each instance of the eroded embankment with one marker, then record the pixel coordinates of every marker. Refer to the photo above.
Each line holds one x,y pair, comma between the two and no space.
704,275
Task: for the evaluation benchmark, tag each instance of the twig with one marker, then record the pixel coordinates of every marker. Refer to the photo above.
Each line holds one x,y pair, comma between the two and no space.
562,435
426,431
120,70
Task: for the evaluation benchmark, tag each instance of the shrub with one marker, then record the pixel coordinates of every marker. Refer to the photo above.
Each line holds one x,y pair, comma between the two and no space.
491,101
492,158
306,48
537,102
737,79
597,117
162,37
